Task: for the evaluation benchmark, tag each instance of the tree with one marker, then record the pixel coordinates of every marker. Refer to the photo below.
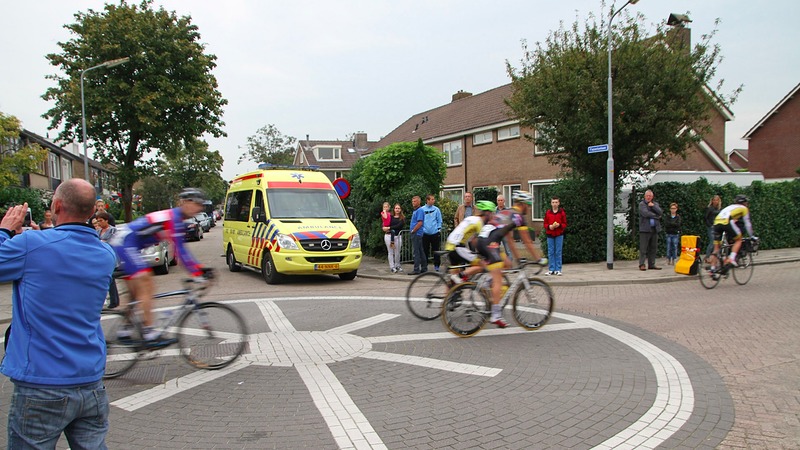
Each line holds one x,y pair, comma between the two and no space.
16,161
659,95
394,173
166,93
190,164
269,145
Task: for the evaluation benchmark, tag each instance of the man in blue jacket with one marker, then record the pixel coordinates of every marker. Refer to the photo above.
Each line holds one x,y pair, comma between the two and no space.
431,227
418,253
56,352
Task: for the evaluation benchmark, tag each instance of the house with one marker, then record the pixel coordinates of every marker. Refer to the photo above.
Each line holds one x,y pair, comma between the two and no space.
478,134
63,164
333,158
738,159
774,142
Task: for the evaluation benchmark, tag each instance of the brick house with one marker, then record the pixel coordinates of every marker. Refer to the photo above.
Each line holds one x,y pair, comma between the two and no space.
774,142
334,158
477,134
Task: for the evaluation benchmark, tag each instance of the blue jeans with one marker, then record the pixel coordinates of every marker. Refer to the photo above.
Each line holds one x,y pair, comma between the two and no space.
554,246
420,260
710,246
673,241
38,416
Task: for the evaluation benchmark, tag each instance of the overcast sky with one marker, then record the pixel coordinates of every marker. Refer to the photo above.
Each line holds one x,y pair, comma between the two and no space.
329,68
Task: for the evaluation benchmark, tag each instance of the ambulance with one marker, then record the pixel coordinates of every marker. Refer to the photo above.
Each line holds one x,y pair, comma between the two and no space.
288,220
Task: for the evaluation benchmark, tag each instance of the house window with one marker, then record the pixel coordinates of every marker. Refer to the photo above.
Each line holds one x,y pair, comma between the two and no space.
55,166
452,151
508,132
508,190
482,138
328,153
454,194
66,169
540,203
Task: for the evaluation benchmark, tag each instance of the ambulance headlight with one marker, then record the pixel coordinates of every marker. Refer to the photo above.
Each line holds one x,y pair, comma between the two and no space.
356,242
287,242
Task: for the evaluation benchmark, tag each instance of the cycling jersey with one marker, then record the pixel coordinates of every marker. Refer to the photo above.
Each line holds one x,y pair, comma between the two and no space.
501,224
726,222
166,225
465,230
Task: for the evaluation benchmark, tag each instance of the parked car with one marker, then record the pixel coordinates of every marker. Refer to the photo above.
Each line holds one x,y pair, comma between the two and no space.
159,257
194,232
204,221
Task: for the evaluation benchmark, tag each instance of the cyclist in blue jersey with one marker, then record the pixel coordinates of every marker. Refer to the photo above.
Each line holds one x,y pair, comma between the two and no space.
166,225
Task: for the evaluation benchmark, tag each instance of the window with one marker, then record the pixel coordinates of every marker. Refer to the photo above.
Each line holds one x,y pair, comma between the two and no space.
508,132
454,194
508,190
55,166
66,169
540,203
237,207
328,153
482,138
452,151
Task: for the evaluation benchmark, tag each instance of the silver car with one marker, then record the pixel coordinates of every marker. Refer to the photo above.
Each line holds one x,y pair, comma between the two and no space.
204,220
159,257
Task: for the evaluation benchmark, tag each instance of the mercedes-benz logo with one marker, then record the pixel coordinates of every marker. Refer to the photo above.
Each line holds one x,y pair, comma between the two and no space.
325,244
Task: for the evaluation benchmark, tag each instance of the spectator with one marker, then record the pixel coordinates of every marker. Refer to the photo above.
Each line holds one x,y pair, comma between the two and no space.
394,242
501,206
649,226
56,348
104,228
100,205
713,208
417,218
555,222
672,227
464,210
431,229
48,221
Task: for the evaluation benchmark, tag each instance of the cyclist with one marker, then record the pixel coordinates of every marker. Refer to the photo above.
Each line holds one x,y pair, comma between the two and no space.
458,242
489,239
726,221
166,225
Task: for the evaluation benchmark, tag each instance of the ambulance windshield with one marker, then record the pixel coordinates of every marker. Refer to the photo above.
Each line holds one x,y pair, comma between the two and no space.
304,204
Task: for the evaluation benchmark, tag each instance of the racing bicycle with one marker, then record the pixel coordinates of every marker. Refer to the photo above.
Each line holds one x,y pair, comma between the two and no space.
468,306
210,335
742,272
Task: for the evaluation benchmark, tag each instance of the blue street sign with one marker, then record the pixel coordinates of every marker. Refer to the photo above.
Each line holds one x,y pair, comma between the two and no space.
598,148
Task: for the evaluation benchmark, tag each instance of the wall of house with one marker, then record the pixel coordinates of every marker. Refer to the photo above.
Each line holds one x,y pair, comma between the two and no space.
696,159
774,149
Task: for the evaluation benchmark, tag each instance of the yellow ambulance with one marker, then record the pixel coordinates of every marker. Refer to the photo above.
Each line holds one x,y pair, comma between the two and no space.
285,220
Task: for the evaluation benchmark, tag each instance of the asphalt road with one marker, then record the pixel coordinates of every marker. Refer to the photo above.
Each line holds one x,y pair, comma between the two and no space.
728,359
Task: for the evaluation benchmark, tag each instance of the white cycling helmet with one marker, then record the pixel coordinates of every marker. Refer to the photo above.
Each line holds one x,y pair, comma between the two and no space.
522,197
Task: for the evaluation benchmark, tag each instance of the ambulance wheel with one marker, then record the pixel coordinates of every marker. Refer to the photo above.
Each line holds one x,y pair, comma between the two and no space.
348,275
268,270
233,265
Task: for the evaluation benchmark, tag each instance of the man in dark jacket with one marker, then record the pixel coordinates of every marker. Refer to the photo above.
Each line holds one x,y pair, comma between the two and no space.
649,226
56,353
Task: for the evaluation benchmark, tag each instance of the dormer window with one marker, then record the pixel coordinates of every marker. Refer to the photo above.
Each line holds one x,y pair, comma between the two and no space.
328,153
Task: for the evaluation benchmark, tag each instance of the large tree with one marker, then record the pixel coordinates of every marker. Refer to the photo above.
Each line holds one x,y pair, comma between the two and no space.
269,145
660,94
166,93
16,160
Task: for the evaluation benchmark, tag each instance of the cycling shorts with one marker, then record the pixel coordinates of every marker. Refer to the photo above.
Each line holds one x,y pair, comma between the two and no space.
461,255
126,245
490,251
731,229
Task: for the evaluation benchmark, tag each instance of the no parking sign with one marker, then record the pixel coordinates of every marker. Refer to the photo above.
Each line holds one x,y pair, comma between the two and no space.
342,188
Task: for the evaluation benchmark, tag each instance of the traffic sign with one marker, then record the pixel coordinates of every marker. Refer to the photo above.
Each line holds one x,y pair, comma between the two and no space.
598,148
342,187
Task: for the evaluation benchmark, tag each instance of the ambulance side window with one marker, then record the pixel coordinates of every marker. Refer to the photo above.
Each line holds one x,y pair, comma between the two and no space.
260,205
237,207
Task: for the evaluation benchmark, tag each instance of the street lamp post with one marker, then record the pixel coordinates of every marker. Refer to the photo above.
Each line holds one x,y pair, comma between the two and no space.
610,161
111,63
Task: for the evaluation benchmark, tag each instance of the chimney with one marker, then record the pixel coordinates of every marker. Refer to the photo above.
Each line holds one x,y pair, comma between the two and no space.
461,94
360,140
680,31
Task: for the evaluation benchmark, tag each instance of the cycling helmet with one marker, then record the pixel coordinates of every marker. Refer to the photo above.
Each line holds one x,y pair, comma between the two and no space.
193,194
522,197
485,205
741,198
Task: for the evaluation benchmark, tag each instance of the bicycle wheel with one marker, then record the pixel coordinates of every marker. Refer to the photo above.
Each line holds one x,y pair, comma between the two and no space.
211,335
465,310
708,279
121,355
426,294
744,271
533,306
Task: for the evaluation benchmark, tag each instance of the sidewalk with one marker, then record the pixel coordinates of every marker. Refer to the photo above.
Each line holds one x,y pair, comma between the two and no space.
588,274
624,272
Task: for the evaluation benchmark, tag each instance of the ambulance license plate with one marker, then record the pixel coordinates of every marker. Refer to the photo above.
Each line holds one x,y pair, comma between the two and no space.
326,266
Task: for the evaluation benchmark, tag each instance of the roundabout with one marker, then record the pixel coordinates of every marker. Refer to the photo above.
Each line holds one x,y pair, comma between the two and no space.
361,372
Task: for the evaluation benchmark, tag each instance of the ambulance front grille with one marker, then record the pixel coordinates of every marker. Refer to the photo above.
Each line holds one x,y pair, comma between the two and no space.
321,245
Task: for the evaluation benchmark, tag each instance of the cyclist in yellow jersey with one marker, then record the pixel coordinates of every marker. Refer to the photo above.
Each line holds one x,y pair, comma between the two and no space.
459,239
726,222
489,239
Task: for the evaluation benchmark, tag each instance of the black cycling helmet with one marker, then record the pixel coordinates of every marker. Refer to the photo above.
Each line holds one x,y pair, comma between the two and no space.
741,198
193,194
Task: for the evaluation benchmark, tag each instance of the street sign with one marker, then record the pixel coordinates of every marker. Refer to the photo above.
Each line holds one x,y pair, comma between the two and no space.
598,148
342,187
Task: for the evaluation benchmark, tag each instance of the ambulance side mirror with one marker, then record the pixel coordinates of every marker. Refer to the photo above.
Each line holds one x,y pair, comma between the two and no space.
351,213
256,214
